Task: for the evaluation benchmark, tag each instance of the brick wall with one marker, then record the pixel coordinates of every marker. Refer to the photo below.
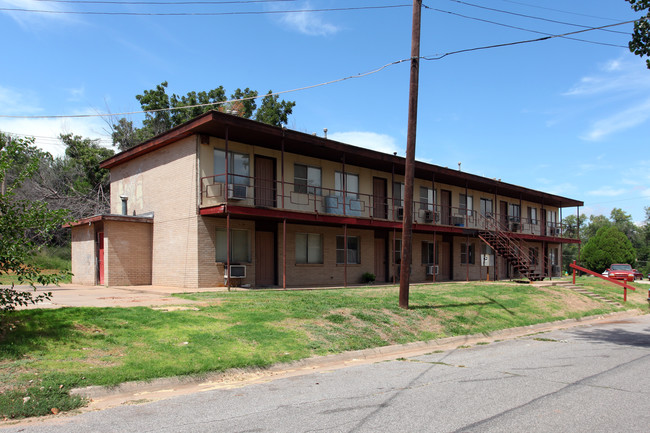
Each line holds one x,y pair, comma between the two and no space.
128,249
165,182
84,257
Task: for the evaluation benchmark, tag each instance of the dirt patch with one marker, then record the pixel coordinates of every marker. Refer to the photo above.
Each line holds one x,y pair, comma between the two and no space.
572,301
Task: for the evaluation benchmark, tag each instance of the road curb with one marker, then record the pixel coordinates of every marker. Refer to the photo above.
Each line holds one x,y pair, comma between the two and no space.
344,359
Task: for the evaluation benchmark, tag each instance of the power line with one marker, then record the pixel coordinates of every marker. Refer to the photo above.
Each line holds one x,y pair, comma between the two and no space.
202,13
338,80
160,3
530,16
527,41
557,10
523,28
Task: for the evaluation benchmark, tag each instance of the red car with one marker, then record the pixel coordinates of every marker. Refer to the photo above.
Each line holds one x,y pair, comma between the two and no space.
622,272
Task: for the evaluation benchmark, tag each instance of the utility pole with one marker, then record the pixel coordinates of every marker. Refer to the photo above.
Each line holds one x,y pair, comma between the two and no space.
407,223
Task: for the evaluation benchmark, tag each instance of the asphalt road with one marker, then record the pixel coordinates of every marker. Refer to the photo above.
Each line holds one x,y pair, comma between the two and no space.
585,379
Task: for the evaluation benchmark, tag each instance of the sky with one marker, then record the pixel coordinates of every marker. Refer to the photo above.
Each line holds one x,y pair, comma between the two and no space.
564,116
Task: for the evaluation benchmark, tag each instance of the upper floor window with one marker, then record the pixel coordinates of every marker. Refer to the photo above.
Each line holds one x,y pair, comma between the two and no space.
306,179
551,217
486,207
309,248
350,186
532,215
514,212
238,167
466,204
398,194
427,198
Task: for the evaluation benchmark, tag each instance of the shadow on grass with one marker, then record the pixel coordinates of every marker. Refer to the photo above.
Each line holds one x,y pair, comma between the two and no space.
32,330
458,305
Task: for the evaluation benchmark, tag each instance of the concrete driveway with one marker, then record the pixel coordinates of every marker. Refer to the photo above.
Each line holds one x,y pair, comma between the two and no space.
71,295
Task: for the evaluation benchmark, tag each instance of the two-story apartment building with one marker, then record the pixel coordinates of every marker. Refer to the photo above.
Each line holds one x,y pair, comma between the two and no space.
221,195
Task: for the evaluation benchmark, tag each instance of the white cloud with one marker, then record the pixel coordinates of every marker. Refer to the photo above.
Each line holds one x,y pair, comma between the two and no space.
607,191
47,131
621,121
615,76
370,140
308,23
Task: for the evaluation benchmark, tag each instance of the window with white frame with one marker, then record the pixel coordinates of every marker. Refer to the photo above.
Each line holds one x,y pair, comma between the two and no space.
397,251
307,179
398,194
514,212
351,184
466,253
551,218
238,167
532,215
240,247
466,204
427,198
486,207
309,248
353,250
533,254
429,253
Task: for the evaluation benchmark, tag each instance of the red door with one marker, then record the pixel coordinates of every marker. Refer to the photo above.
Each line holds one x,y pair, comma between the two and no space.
100,257
264,259
264,181
380,206
445,204
380,260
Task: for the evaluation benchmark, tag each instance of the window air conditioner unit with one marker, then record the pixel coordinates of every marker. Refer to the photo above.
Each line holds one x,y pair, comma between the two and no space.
431,269
236,192
237,271
400,213
428,216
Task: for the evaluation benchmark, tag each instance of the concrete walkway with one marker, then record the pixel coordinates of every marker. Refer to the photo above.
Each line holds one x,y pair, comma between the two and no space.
72,295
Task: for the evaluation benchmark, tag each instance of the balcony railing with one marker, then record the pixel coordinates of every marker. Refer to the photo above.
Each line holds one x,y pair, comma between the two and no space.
249,191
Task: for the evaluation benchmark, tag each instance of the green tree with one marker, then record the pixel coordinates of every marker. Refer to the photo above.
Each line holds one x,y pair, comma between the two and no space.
609,245
640,43
274,112
24,225
595,223
572,227
170,111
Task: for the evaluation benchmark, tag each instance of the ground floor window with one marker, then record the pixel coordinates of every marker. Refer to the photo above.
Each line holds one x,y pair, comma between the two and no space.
354,250
397,251
534,255
309,248
466,254
240,247
429,254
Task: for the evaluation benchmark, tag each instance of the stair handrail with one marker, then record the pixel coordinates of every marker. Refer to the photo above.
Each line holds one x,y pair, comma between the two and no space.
596,274
516,247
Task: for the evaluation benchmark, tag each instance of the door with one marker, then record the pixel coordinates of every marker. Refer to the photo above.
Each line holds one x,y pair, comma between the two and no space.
264,258
380,206
445,207
503,215
100,257
380,260
543,222
444,264
264,181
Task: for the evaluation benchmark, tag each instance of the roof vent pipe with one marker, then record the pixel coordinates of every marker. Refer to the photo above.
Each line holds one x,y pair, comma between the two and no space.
325,132
459,166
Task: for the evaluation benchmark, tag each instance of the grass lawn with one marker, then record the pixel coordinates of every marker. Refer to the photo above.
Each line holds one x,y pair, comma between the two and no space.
50,351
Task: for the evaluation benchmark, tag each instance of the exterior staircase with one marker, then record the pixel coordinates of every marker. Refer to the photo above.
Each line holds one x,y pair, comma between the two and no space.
578,289
513,249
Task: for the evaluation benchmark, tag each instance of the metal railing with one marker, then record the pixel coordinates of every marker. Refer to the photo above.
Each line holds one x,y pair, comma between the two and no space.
249,191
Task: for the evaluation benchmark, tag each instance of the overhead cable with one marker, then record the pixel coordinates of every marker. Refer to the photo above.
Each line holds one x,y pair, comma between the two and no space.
361,75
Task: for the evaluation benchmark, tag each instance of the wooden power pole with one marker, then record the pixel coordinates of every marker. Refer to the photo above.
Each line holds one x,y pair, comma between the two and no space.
407,223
